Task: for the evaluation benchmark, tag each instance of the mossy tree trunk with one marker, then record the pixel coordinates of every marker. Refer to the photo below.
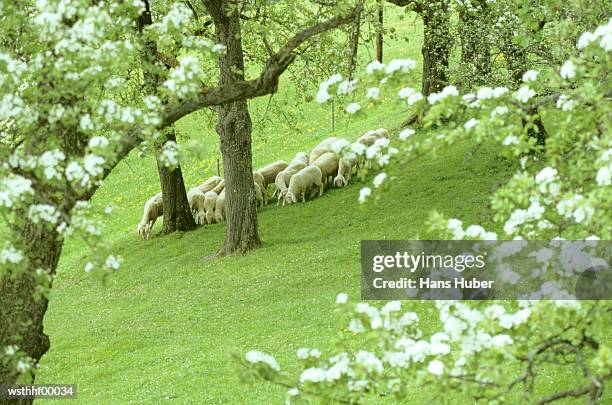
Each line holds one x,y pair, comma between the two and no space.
177,214
22,306
437,45
234,130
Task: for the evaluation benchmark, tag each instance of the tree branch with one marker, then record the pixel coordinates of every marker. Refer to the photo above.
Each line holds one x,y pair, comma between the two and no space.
265,84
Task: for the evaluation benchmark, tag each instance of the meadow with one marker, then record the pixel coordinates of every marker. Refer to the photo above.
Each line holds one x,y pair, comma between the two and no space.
166,326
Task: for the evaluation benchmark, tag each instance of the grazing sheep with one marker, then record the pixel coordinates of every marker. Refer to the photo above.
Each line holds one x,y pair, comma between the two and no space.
210,200
210,184
328,163
220,187
259,195
258,179
196,199
270,172
324,147
220,207
370,137
299,162
153,209
300,158
302,182
345,171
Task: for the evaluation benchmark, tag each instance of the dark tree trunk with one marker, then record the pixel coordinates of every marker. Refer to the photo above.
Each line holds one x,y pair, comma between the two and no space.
177,214
234,130
379,33
21,312
354,46
516,59
437,44
475,51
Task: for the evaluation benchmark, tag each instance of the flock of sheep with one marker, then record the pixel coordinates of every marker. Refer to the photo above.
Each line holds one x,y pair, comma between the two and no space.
305,176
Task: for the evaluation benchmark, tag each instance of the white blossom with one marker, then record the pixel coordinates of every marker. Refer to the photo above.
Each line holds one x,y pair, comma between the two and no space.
406,133
436,367
364,193
257,357
378,180
568,70
524,94
352,108
530,76
373,93
471,123
342,298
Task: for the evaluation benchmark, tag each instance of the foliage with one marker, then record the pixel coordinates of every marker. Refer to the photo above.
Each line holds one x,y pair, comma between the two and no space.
560,191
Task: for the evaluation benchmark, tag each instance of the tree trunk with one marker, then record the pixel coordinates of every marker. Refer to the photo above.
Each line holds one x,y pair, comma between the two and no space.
379,33
475,51
354,46
516,59
21,312
177,214
437,44
234,130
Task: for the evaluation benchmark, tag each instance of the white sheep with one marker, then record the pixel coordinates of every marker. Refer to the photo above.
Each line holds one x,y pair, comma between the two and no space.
259,195
210,200
299,162
153,209
323,147
210,184
328,164
345,171
302,182
220,187
220,207
370,137
258,179
196,199
270,171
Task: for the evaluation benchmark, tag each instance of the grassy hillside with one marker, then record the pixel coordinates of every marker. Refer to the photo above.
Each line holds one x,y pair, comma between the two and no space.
165,326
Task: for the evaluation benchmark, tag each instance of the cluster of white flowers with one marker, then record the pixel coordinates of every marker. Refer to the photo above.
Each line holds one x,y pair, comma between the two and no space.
323,94
410,95
352,108
257,357
448,91
113,262
184,80
13,189
50,161
568,70
169,155
43,212
455,226
10,255
601,36
524,94
304,353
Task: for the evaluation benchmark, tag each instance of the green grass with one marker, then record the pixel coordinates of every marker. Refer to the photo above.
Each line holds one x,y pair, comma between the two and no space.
166,325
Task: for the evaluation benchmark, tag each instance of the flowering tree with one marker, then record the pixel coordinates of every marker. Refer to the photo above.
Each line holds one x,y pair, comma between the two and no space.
64,126
488,351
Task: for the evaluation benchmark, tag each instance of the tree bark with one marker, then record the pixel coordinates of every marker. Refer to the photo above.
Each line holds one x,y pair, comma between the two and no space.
354,46
177,214
475,51
379,33
234,130
437,44
21,312
516,60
